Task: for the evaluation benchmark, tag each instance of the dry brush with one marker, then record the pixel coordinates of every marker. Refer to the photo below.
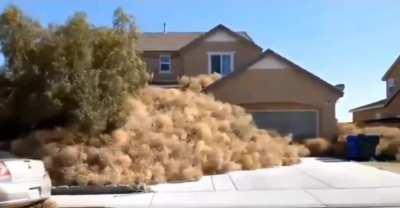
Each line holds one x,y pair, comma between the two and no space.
170,135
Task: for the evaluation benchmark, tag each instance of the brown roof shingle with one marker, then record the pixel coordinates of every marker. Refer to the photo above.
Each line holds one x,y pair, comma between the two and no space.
171,41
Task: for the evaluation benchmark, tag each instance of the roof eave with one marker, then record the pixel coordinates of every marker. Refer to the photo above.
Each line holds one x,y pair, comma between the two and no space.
366,108
264,54
327,84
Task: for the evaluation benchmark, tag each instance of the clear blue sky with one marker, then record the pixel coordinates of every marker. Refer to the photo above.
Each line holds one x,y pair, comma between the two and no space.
351,42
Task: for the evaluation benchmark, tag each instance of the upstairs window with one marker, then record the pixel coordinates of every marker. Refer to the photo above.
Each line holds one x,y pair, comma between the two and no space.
165,64
391,87
220,62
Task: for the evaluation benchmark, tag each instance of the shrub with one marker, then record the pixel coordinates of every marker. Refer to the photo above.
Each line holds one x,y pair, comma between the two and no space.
74,73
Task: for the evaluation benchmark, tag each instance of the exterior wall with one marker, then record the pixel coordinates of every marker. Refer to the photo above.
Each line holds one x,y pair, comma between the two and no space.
281,89
195,59
152,60
390,111
395,74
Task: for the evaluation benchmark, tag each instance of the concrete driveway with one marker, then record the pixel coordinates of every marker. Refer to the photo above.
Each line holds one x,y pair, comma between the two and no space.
316,182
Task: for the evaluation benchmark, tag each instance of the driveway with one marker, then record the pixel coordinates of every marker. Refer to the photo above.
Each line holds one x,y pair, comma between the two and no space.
316,182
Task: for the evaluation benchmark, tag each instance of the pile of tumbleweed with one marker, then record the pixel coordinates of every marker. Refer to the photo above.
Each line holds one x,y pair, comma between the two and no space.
170,134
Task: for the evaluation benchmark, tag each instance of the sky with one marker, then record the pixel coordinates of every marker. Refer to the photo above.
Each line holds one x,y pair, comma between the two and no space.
350,42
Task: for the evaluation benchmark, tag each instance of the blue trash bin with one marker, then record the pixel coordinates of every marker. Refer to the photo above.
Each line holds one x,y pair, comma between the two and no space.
361,147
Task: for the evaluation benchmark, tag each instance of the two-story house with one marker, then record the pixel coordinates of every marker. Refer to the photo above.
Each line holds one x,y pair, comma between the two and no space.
280,94
385,111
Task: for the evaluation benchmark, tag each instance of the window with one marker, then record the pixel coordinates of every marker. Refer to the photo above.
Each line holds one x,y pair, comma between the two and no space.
221,63
391,86
165,64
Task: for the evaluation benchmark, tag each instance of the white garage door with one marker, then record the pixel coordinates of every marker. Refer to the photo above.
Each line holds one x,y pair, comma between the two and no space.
301,124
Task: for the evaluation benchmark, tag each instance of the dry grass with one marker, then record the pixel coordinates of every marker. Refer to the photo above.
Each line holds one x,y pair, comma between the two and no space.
319,146
46,204
198,83
170,135
302,150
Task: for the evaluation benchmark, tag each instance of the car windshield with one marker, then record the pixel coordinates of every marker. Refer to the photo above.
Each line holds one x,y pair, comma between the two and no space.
6,155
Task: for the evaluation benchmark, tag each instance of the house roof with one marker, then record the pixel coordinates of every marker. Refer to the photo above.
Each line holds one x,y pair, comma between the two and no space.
175,41
270,52
170,41
391,68
378,104
242,36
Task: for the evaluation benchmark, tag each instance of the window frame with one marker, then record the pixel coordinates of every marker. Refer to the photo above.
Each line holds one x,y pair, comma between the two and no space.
390,86
220,54
169,63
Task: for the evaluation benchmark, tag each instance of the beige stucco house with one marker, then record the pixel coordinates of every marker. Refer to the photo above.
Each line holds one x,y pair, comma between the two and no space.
385,111
280,94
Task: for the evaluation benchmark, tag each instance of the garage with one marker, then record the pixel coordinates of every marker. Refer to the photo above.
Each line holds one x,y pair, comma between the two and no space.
283,96
301,124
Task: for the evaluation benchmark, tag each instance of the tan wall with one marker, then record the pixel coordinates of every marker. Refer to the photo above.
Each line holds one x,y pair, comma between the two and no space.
392,110
195,59
152,60
284,89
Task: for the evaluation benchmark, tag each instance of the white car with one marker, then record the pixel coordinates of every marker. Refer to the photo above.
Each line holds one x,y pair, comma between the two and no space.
22,181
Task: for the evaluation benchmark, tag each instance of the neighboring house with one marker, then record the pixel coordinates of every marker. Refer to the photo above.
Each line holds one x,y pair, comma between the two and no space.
385,111
280,94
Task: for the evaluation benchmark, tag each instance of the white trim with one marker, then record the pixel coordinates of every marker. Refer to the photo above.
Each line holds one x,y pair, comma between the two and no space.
231,53
159,64
269,63
221,36
292,110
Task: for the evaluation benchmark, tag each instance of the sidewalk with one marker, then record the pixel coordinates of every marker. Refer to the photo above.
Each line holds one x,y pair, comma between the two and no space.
313,183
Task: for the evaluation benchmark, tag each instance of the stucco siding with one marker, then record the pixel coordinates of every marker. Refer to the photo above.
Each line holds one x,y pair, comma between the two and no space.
195,59
288,85
152,60
281,89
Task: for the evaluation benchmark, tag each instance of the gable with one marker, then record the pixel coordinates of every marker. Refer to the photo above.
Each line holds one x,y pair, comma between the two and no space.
271,60
392,69
395,73
220,33
274,86
220,36
268,62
